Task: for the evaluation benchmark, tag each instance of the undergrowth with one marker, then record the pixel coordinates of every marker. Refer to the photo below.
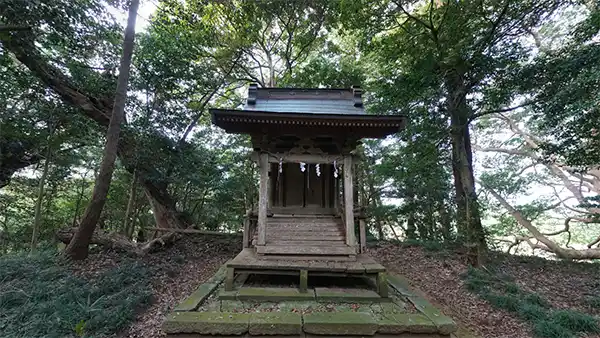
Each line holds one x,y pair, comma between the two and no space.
502,292
40,297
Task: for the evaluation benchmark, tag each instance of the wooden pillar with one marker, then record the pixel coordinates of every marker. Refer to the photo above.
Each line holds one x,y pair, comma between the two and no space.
303,281
246,233
263,167
363,235
349,201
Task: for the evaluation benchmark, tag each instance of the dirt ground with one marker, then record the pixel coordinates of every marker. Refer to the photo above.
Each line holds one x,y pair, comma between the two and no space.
437,274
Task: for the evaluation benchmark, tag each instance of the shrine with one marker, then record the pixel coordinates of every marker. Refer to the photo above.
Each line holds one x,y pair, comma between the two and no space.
309,218
304,269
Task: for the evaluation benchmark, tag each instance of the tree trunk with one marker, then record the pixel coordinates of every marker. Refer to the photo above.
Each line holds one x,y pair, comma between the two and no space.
79,198
130,203
38,203
411,229
79,245
468,217
445,222
98,110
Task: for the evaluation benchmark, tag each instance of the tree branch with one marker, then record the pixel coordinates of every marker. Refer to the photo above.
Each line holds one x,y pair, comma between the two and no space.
501,110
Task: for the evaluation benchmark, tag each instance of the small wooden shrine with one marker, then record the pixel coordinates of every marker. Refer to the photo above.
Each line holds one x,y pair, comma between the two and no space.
308,209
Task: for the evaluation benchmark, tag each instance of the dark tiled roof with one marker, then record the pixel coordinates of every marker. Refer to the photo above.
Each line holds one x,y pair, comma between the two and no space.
301,100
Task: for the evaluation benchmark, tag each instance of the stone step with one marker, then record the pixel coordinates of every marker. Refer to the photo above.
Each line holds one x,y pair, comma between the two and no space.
340,323
321,258
304,237
315,243
305,250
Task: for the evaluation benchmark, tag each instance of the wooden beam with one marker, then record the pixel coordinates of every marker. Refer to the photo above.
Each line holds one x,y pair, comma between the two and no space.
297,158
349,202
263,198
194,231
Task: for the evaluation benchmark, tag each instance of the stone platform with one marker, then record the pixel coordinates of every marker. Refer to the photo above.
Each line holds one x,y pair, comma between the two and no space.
253,309
248,261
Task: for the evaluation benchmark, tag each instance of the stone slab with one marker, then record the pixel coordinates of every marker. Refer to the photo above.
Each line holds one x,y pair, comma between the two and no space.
275,323
231,306
196,298
405,323
227,295
274,294
444,324
219,276
346,323
388,308
347,295
212,323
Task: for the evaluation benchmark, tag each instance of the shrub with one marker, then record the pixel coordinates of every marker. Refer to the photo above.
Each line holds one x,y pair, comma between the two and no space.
547,323
575,321
41,297
550,329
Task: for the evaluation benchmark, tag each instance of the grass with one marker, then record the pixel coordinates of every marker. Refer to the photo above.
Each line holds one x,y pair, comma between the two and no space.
501,292
40,297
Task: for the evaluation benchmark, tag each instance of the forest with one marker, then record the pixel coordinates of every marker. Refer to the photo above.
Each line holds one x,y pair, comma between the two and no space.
112,176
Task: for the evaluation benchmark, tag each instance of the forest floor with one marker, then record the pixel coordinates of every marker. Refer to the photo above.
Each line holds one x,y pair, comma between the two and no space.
439,272
436,271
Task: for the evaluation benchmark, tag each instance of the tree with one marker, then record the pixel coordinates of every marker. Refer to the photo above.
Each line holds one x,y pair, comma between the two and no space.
79,245
441,55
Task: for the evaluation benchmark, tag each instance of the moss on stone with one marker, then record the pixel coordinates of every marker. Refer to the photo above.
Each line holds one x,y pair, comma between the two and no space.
444,324
347,295
273,294
219,276
296,306
195,299
231,306
213,323
275,323
387,308
405,322
400,284
342,323
227,295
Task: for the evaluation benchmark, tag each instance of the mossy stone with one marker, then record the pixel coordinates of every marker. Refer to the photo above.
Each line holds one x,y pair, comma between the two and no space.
387,308
275,323
273,294
400,284
344,323
444,324
232,306
219,276
347,295
405,322
213,323
195,299
296,306
227,295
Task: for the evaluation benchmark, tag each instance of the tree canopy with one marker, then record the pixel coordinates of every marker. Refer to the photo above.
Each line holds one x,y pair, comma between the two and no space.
501,150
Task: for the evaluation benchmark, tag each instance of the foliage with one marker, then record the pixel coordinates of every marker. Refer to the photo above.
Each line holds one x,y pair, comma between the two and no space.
42,297
501,292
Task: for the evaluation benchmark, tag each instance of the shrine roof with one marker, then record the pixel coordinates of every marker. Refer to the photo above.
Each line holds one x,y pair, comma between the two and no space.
305,100
306,110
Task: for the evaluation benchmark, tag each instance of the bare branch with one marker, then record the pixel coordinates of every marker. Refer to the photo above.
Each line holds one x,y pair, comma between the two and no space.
501,110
